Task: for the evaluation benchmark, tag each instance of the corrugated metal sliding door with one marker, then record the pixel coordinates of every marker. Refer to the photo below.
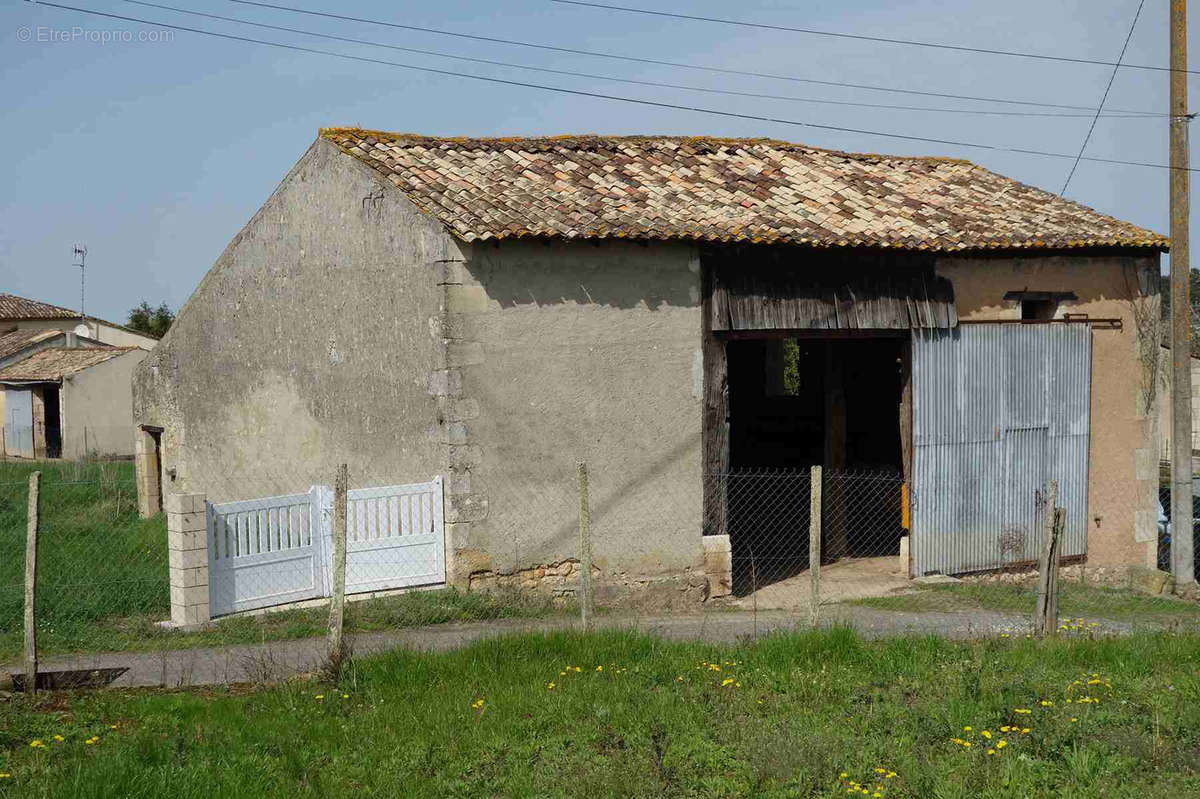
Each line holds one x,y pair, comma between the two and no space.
998,411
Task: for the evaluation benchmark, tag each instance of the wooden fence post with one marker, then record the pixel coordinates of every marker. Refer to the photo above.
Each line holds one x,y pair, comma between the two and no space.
31,544
814,542
585,551
337,604
1044,623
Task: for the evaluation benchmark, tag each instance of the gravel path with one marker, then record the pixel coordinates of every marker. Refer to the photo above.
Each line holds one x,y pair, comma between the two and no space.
280,659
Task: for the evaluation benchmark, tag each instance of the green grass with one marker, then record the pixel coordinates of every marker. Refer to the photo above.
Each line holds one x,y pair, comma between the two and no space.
655,721
103,581
97,560
1075,601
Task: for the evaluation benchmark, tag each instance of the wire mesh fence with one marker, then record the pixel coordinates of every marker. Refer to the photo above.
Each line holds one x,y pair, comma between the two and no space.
431,563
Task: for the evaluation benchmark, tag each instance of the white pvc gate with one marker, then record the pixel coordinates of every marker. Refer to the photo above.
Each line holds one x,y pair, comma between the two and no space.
277,550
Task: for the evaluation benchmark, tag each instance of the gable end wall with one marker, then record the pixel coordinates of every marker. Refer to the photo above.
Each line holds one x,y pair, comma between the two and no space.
308,344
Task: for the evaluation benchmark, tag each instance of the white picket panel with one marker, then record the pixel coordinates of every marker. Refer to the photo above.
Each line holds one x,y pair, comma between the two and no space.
394,537
277,550
269,551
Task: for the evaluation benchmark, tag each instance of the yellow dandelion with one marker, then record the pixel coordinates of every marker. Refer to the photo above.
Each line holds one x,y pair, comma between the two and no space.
991,751
112,726
1024,711
319,697
4,775
986,734
59,738
966,729
843,776
1046,703
550,686
36,743
599,668
562,674
1025,730
1073,719
726,681
478,703
345,696
889,775
881,771
1001,743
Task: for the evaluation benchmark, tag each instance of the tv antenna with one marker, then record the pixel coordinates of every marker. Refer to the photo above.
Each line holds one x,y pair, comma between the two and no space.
80,257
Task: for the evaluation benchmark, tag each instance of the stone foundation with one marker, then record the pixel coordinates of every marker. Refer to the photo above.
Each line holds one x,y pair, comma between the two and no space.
559,582
1137,578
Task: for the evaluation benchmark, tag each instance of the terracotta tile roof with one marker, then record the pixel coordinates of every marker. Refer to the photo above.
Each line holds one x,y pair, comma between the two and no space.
14,307
54,364
705,189
17,340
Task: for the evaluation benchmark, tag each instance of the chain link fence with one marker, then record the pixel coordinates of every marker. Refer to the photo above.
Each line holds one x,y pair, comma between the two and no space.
426,568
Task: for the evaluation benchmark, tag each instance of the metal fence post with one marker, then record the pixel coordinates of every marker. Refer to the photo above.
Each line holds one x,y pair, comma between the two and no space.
585,551
337,604
31,543
1043,623
814,542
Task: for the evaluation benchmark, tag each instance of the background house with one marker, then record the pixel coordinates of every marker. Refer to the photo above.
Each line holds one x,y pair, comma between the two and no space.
64,381
683,314
20,313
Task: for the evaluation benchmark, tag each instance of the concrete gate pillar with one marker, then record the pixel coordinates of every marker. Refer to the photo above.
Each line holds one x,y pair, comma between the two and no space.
187,549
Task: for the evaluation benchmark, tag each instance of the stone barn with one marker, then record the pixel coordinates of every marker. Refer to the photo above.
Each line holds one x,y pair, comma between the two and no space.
691,317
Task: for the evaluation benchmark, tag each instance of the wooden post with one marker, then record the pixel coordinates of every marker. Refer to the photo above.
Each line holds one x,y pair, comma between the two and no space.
337,604
814,543
835,451
1059,518
1043,623
585,551
1182,564
31,536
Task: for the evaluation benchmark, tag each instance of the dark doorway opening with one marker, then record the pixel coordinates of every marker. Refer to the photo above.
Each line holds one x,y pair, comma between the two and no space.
156,437
50,399
795,402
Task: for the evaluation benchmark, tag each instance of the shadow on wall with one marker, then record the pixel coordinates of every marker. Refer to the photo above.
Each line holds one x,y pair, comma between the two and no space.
613,274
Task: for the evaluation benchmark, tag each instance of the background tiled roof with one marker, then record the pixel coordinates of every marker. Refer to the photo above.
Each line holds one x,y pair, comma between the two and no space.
17,340
703,189
55,364
14,307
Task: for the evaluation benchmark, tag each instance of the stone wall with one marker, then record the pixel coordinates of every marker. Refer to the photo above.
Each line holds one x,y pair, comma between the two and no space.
308,344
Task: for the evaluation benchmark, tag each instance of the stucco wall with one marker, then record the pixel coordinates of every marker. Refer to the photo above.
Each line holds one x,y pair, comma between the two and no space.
1123,460
96,408
577,352
308,344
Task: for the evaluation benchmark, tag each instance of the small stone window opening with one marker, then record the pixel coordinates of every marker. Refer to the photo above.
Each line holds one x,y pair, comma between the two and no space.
1038,309
1039,305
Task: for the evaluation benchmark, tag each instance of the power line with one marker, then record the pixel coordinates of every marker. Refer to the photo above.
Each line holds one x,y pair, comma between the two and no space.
865,38
678,64
657,84
1104,98
599,95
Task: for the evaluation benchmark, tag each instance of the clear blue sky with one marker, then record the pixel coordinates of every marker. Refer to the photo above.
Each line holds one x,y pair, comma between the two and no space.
156,153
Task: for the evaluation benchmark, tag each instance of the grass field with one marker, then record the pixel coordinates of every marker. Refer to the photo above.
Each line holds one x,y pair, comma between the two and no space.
103,576
1075,601
617,714
98,561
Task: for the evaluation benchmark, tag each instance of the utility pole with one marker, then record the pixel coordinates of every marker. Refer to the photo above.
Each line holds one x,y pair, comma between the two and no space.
1181,309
